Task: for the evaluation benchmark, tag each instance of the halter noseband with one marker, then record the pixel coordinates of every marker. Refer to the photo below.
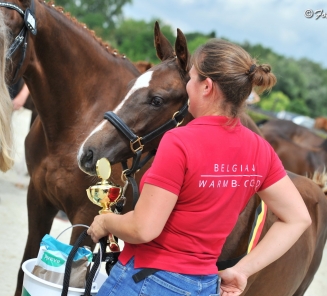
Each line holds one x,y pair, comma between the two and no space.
135,140
29,23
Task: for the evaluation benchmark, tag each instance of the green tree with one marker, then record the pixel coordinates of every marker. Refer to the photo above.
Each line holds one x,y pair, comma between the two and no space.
303,81
316,87
99,15
275,102
135,39
195,43
298,106
194,40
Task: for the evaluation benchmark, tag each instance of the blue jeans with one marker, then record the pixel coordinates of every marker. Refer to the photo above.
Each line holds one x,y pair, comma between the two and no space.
162,283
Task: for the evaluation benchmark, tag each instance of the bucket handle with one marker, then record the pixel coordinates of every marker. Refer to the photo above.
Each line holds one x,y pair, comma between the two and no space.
86,226
95,268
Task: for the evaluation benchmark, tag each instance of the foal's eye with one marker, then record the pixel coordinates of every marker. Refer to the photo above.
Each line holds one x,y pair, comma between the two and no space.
156,101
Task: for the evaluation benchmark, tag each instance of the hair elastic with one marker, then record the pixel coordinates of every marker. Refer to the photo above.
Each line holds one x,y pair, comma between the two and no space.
252,68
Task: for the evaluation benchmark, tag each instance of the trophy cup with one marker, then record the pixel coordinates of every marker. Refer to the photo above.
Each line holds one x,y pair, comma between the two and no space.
105,194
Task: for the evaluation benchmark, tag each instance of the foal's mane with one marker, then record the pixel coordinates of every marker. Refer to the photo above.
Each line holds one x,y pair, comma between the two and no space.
105,45
320,178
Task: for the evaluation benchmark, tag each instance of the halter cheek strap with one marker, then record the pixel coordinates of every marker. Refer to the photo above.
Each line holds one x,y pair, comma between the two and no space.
137,143
21,38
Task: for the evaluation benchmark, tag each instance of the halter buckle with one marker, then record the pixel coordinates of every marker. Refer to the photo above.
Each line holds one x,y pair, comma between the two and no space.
180,122
138,141
123,176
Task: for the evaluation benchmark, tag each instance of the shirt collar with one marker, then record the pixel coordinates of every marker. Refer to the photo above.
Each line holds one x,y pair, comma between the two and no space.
215,120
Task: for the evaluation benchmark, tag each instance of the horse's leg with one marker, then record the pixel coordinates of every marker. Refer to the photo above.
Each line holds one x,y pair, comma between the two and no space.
83,214
40,217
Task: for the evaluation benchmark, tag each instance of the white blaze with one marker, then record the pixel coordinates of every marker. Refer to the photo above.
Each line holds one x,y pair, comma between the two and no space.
141,82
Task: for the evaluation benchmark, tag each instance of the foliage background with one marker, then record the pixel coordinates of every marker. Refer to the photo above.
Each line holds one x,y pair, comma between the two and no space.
301,84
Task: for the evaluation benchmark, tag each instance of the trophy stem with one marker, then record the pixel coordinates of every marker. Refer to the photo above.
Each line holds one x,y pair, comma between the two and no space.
105,194
105,211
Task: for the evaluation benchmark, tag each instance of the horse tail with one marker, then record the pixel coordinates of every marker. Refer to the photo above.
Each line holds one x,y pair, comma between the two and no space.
320,178
6,109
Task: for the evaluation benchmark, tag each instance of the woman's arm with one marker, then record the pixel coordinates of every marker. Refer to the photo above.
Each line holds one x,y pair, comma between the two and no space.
284,200
143,224
21,98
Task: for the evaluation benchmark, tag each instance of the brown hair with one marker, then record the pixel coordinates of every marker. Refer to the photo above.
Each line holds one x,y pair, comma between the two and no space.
233,69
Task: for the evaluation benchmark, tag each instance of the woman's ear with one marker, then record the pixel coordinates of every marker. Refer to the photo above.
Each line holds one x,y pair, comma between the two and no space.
208,86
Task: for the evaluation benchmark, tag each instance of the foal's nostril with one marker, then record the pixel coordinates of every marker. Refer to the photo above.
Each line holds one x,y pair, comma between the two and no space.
87,159
89,156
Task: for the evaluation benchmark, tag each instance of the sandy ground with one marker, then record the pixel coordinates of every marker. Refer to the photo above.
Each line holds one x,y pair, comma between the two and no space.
13,218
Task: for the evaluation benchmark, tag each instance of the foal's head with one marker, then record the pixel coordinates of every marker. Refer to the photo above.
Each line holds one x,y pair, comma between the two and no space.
152,99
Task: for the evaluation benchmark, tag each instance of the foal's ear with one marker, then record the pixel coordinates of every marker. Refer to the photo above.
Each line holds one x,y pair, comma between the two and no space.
182,51
162,45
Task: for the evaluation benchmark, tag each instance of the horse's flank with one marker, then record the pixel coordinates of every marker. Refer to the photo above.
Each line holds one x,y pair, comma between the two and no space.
6,109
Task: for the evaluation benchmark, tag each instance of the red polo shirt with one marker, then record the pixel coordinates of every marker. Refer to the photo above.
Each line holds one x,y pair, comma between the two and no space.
214,168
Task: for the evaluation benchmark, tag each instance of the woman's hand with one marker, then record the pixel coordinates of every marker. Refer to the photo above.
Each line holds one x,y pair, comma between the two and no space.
233,283
17,103
97,229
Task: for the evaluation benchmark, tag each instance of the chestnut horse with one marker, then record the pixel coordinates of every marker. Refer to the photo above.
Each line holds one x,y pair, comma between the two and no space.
72,77
298,134
301,150
321,123
143,66
155,97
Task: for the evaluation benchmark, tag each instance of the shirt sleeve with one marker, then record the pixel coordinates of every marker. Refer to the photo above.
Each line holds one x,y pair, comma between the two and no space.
169,165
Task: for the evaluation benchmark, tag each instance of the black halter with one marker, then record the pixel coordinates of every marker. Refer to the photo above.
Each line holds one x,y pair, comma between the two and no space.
21,38
137,143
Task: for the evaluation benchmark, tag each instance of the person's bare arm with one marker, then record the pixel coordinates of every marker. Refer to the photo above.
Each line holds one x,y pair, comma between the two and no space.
21,98
143,224
286,203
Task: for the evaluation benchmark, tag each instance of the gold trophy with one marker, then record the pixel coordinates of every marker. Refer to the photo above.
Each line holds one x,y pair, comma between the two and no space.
106,194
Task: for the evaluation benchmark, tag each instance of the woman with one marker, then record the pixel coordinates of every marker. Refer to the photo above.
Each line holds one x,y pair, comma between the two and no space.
202,177
6,109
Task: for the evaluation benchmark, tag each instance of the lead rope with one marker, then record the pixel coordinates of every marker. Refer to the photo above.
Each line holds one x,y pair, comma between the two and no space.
94,270
129,173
